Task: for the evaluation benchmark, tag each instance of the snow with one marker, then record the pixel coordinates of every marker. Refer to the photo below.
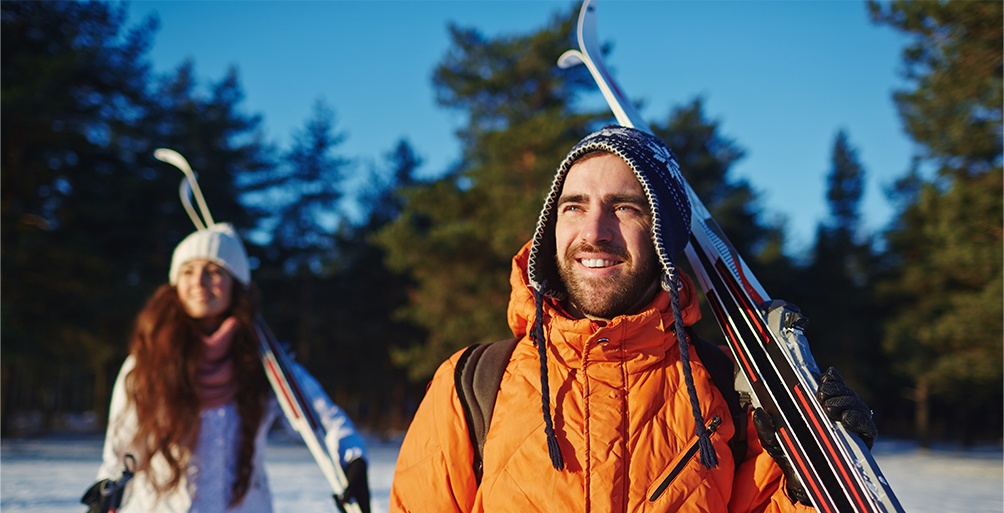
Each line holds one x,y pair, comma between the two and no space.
49,475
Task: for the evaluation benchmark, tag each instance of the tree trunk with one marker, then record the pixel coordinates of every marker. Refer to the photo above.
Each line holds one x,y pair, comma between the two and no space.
922,416
6,387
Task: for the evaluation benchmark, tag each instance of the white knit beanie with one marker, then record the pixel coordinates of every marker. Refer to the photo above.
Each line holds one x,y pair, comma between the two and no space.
219,244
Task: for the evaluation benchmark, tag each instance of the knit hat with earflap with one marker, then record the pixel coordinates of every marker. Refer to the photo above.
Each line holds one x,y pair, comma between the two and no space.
656,168
216,242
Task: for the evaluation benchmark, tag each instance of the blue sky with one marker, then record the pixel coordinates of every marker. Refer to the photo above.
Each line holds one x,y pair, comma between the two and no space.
781,77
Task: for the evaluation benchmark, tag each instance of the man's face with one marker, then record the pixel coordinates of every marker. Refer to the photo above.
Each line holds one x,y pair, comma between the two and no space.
603,237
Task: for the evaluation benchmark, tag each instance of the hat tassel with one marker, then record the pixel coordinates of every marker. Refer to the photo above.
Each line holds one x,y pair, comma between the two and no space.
708,456
553,450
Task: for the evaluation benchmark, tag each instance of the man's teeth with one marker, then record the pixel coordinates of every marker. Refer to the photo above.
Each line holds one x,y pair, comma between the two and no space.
597,262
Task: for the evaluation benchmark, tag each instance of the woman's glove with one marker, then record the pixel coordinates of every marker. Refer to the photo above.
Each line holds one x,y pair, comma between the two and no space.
841,404
358,489
106,495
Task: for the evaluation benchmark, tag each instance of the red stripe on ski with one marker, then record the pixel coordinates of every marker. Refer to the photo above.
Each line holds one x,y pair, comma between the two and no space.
833,454
827,451
285,391
750,289
714,301
289,386
806,470
752,314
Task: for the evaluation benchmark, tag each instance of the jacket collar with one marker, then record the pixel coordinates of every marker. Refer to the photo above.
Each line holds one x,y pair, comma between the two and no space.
642,333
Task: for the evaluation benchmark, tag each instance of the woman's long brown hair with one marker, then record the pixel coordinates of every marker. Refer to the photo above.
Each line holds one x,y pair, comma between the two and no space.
167,348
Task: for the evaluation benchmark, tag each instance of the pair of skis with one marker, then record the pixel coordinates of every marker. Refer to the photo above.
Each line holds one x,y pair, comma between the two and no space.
765,336
302,417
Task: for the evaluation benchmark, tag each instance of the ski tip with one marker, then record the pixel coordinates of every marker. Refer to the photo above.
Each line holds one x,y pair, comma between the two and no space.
570,58
165,154
172,157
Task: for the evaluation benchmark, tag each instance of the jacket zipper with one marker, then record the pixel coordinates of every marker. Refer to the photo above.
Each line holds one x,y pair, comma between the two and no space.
689,455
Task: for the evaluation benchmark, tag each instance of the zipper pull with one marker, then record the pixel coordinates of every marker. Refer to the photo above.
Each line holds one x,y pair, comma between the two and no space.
689,455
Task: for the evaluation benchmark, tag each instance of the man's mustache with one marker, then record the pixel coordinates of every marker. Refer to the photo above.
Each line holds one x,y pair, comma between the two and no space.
586,247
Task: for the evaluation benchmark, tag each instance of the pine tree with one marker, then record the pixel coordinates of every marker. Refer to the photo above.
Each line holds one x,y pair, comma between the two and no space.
946,334
458,234
839,282
73,78
302,205
365,299
89,216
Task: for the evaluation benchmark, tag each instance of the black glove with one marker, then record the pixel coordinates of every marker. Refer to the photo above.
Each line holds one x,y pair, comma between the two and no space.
843,405
93,499
358,489
768,439
106,495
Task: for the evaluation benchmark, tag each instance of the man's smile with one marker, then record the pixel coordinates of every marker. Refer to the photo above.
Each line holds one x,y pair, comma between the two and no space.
596,263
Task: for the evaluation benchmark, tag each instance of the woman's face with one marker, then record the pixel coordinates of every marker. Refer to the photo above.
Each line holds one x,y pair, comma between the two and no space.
204,289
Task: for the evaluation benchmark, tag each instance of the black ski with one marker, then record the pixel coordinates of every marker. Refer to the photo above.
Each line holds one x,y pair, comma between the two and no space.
778,371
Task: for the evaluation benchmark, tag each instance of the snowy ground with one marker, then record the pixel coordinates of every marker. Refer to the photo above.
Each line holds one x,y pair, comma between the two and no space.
49,475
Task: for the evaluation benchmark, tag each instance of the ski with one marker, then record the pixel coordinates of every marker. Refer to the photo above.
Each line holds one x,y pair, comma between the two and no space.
765,336
300,414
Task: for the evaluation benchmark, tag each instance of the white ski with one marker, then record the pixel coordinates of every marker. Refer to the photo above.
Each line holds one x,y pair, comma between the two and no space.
300,414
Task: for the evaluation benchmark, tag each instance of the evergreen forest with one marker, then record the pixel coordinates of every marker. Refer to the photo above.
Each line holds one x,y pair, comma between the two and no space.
912,316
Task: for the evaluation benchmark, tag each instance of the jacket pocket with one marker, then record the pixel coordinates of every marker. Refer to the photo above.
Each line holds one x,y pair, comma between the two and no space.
683,474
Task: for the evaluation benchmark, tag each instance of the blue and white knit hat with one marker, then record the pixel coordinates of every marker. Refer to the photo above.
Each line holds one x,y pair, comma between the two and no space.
216,242
656,168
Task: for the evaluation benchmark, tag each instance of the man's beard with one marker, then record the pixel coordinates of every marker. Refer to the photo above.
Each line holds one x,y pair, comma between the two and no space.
607,297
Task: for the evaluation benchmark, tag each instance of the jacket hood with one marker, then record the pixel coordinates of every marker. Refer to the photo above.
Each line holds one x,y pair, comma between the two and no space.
658,173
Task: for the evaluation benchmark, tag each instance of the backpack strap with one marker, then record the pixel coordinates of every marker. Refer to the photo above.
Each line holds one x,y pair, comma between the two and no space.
479,373
723,373
477,378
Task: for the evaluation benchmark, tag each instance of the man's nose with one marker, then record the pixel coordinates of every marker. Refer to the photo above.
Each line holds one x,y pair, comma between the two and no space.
599,226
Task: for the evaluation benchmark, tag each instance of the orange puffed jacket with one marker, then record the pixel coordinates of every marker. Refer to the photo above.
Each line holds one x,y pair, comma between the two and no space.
621,413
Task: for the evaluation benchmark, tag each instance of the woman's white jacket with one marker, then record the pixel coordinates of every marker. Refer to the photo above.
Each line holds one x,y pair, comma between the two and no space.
208,472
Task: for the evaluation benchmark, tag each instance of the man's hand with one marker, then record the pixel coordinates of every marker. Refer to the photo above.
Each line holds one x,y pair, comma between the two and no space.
843,405
768,439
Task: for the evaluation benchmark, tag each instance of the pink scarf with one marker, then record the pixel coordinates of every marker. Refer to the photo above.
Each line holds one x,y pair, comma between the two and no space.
215,374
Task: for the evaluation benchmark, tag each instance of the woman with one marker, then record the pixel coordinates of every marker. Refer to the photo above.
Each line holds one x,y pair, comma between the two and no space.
191,407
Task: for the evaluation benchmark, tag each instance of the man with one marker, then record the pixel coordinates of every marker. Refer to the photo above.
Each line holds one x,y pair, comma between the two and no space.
604,405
